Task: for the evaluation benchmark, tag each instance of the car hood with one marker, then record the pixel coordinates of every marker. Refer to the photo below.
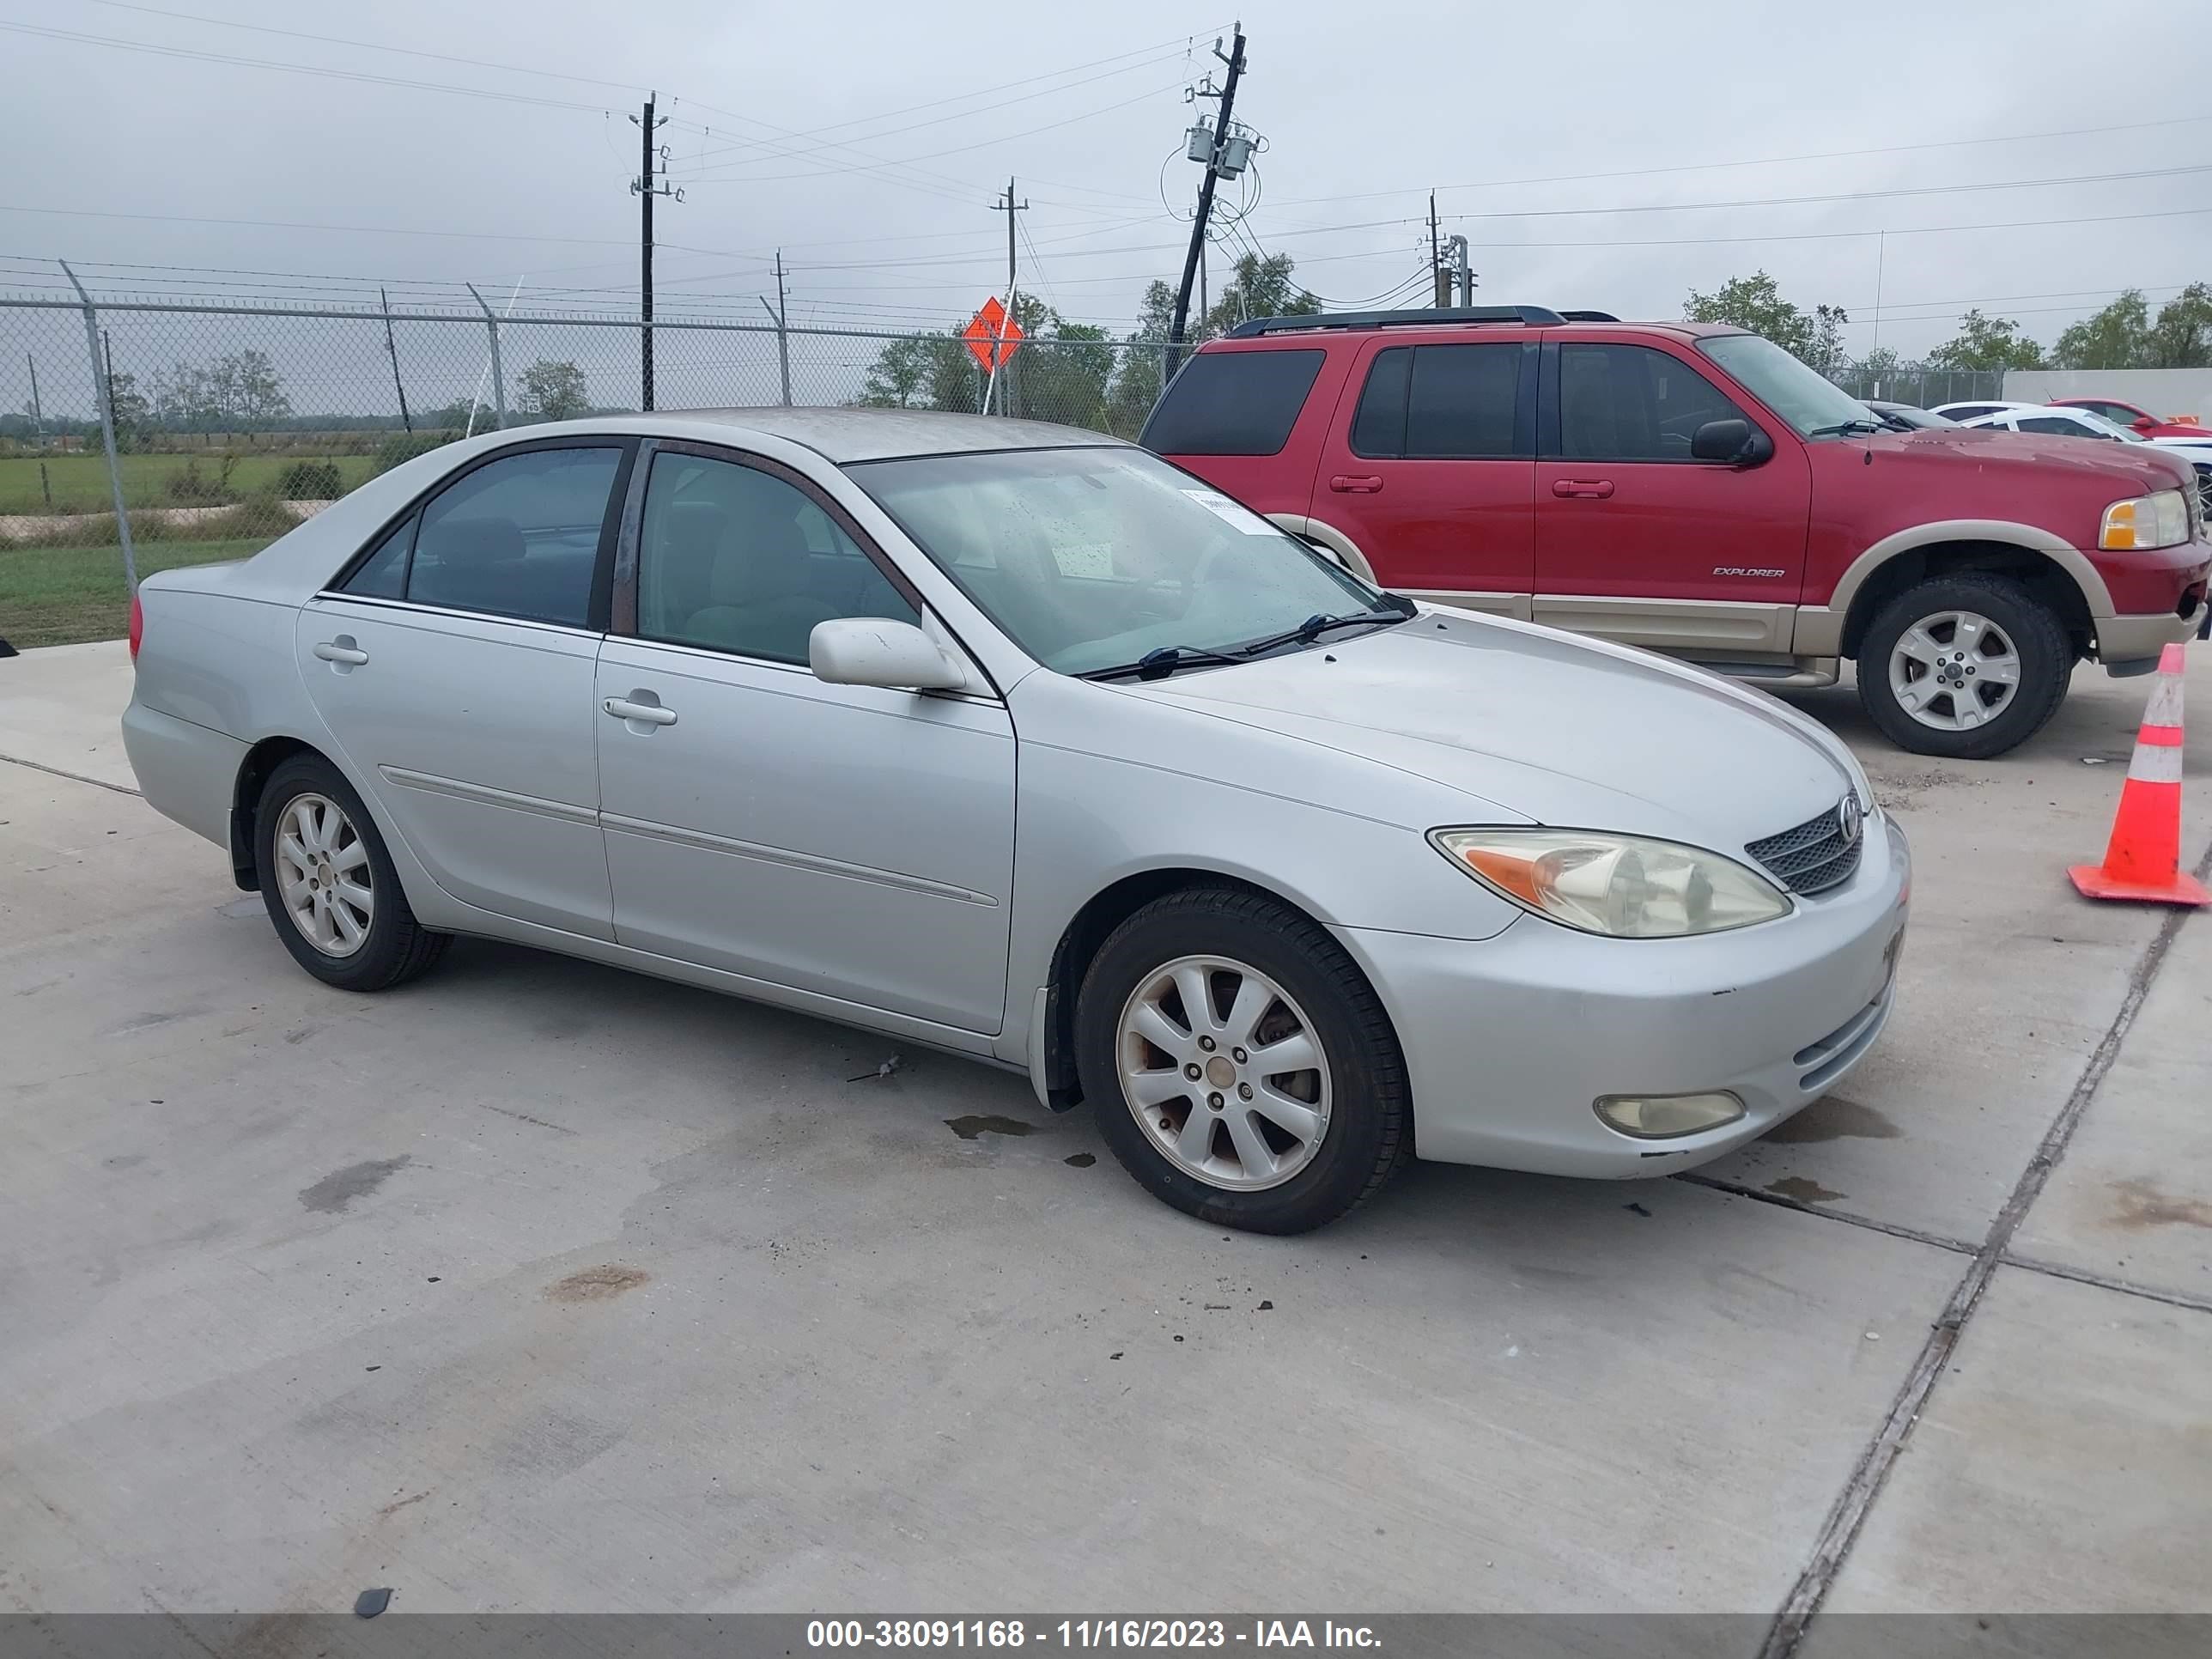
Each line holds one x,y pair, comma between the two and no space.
1535,725
2124,468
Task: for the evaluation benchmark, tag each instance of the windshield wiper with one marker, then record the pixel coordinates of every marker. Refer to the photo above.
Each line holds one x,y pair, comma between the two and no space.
1158,665
1845,428
1394,608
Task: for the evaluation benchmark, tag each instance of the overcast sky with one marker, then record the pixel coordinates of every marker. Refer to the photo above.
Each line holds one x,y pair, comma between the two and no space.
867,140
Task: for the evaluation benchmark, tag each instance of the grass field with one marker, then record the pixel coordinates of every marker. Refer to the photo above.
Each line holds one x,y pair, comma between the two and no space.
62,595
79,482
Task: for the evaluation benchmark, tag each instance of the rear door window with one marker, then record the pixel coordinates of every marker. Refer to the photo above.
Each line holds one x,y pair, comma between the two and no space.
1439,402
517,537
1233,402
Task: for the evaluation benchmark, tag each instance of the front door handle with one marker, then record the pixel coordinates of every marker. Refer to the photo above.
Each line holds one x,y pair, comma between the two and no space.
646,714
1591,488
342,649
1352,485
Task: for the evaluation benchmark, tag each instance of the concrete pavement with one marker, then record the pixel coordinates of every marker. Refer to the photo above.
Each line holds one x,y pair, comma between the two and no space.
538,1285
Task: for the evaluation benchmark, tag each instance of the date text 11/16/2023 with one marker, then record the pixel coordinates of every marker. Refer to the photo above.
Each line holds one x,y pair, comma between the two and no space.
1087,1633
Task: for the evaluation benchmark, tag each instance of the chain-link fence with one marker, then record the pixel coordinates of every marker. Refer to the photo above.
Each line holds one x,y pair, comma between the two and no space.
232,421
1920,385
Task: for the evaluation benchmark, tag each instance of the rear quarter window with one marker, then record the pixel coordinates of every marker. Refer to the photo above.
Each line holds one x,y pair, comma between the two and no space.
1233,402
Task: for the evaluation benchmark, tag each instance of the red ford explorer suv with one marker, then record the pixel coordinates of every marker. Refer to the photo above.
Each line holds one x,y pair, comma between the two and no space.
1696,490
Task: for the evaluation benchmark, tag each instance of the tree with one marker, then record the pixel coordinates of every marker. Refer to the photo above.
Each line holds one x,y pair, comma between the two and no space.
900,375
554,390
1755,302
2182,336
129,406
2116,338
1256,288
249,389
1136,385
1825,349
1986,342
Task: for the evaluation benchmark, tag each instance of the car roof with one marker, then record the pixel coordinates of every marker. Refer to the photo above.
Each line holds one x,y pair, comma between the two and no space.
874,434
1993,405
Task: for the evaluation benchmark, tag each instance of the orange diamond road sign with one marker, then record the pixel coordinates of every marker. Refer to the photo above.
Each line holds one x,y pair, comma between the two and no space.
992,321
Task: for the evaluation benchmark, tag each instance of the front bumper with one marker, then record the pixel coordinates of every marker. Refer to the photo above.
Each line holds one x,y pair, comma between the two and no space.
1509,1041
2161,598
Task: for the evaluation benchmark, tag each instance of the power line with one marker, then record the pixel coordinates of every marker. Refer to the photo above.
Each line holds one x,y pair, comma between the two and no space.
1757,160
367,45
300,69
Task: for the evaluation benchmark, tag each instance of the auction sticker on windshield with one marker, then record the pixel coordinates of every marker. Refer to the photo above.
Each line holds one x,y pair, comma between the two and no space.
1232,513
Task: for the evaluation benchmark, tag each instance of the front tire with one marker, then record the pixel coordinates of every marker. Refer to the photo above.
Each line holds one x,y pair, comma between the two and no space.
329,886
1964,666
1299,1108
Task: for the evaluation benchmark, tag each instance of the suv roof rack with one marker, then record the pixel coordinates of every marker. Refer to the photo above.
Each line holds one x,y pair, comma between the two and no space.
1590,317
1533,316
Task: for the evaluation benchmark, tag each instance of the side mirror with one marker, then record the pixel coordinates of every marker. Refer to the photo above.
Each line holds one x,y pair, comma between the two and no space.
2142,423
877,650
1737,443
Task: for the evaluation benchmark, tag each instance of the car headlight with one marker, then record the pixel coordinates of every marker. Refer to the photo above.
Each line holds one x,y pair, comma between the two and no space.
2160,521
1622,886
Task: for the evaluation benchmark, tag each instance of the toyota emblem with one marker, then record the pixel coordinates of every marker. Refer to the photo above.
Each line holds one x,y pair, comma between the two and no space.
1853,819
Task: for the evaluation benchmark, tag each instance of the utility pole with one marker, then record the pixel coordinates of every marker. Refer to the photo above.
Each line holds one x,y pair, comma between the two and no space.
1176,331
781,320
392,350
645,189
1009,208
1456,251
1440,285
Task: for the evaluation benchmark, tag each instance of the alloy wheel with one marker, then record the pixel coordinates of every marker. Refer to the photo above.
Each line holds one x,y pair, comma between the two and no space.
324,874
1954,671
1224,1072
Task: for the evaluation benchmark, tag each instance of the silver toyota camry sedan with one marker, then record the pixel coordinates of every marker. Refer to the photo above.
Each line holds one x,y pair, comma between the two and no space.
1019,743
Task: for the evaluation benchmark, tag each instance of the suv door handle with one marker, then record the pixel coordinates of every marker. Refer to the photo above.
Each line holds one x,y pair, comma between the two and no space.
1344,484
647,713
342,649
1594,488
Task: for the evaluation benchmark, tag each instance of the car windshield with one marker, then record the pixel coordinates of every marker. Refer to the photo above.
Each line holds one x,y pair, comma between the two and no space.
1809,401
1091,558
2105,429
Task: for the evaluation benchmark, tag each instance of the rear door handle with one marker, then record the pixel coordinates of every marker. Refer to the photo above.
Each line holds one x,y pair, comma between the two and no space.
649,714
1345,484
1597,488
342,649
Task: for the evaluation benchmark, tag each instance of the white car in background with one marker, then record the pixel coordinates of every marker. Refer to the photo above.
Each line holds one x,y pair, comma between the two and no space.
1972,413
2052,419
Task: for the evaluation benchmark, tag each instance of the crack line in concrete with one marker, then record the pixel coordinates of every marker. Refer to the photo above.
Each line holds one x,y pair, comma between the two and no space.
1759,1195
2103,1282
74,777
1840,1530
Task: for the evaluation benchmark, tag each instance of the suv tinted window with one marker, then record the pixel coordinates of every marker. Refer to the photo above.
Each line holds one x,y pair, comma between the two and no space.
1439,402
519,536
1233,402
737,559
1626,403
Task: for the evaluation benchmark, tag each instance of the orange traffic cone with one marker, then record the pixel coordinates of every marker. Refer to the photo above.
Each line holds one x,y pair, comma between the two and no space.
2143,858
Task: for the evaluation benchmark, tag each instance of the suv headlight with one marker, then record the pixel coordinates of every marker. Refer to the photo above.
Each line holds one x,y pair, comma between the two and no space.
2160,521
1622,886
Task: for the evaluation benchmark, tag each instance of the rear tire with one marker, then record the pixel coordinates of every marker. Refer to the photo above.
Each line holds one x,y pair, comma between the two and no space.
329,886
1964,666
1269,1151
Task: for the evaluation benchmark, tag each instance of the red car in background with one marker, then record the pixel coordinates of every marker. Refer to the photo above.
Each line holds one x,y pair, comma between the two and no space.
1694,489
2140,420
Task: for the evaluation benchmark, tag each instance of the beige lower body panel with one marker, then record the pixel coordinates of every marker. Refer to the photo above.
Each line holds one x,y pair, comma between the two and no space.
1685,625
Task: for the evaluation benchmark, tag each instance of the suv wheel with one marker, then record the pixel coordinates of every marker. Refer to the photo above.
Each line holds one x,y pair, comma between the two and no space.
1244,1069
1963,666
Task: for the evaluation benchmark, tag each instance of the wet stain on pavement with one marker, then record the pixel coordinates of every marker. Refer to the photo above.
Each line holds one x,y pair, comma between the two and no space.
1081,1160
596,1284
2142,1204
1832,1117
1801,1189
977,1124
341,1187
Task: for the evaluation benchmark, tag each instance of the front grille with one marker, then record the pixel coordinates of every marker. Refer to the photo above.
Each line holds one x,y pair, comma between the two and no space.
1813,856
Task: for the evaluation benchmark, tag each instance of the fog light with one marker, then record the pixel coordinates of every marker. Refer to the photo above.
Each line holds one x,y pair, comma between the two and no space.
1660,1117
